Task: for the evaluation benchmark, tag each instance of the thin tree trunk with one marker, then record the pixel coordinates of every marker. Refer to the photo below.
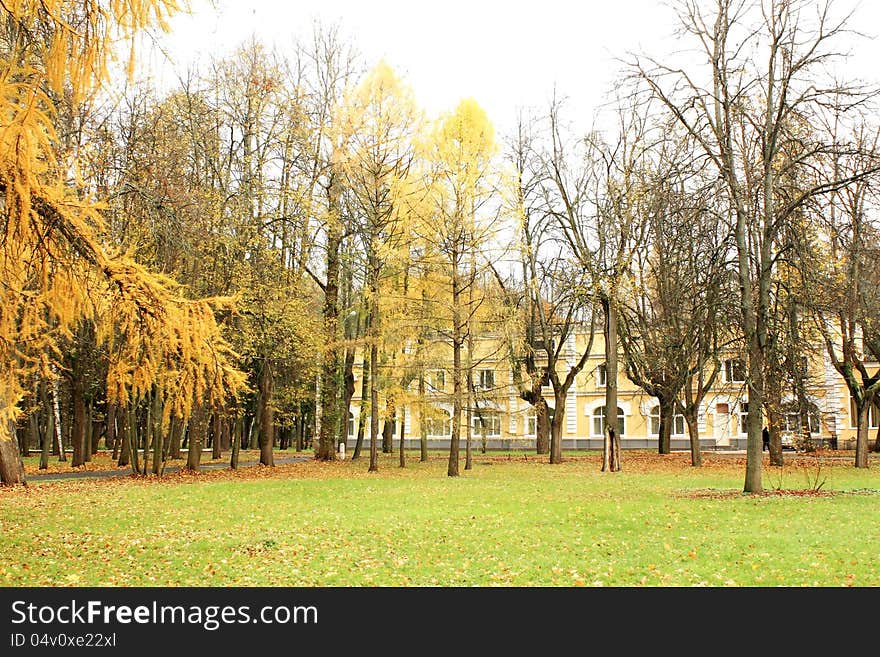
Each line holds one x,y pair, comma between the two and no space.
110,438
423,428
861,460
611,452
133,439
236,445
216,451
124,450
77,390
362,417
401,431
59,434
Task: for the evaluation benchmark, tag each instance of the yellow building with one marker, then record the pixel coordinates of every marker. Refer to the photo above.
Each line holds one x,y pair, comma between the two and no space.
505,421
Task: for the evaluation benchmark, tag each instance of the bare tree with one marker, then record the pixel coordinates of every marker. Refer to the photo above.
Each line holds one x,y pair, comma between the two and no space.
763,79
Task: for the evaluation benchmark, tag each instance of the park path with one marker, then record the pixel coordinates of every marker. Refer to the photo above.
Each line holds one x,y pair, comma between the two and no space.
126,472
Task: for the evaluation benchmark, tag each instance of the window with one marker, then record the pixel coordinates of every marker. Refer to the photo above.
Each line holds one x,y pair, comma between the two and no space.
599,421
439,425
793,422
486,423
351,425
734,371
654,422
743,417
601,376
854,415
437,380
531,422
486,379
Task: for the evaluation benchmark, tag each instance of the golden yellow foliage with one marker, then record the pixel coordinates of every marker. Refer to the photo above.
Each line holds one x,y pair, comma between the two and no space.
54,268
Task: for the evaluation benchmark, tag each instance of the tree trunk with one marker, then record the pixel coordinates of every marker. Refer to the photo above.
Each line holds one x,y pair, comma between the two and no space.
158,446
11,466
236,445
133,439
694,434
59,433
267,414
196,431
556,426
863,410
362,416
388,427
611,451
216,446
374,408
423,428
457,342
775,427
77,390
124,453
542,425
402,453
110,438
47,427
667,418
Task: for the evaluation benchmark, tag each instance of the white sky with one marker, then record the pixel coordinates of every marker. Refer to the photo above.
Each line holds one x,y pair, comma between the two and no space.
505,54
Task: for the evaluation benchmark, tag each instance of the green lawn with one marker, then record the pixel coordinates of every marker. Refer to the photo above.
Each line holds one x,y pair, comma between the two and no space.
507,522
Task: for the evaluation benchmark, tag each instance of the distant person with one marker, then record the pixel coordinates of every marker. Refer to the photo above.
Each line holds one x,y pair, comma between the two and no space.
765,434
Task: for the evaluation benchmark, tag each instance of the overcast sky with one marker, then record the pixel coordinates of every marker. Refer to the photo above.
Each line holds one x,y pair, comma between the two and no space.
505,54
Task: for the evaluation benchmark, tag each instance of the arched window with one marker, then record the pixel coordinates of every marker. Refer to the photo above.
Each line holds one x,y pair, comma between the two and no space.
599,421
439,425
654,422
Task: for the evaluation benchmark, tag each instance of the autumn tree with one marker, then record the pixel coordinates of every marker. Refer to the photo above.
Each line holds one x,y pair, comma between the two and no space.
459,157
763,74
57,268
379,122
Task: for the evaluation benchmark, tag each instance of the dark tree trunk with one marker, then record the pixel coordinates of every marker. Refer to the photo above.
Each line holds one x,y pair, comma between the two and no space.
196,437
158,446
556,428
177,428
110,438
775,420
236,444
694,434
542,425
402,453
47,425
861,460
122,429
216,452
388,427
667,418
423,428
266,414
79,421
132,426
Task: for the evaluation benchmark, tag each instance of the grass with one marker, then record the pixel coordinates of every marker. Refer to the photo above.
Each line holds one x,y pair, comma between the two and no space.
513,520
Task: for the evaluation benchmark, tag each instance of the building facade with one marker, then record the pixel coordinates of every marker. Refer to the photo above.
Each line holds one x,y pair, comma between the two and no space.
500,419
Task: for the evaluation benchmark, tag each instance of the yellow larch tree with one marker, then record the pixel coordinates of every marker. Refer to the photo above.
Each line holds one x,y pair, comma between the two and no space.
54,267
